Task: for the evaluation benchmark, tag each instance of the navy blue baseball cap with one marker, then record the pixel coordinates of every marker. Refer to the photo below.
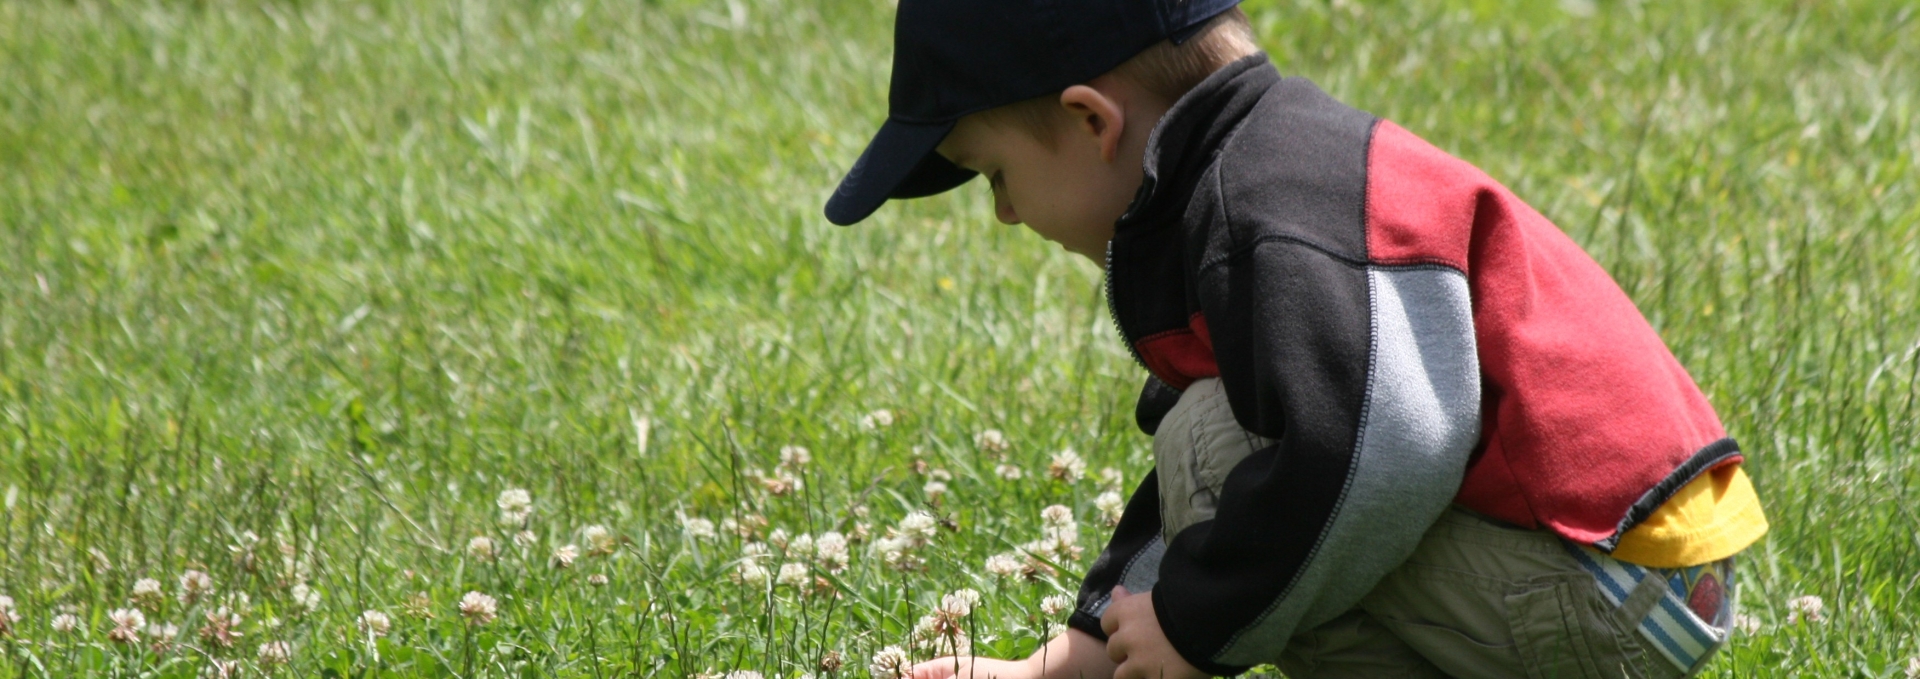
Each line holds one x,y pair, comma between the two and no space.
955,57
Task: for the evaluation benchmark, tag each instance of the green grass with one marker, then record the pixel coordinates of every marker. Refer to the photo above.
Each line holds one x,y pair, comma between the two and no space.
338,274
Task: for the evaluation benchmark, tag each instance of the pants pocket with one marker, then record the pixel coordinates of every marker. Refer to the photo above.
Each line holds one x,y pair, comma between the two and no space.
1563,629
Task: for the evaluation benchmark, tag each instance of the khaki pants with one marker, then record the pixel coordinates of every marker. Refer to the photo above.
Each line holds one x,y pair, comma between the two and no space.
1477,598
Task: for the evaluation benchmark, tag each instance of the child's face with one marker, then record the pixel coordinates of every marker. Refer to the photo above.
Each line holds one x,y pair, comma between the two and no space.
1071,193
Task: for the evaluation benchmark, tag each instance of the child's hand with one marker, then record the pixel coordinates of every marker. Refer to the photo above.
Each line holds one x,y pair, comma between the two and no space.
975,668
1134,640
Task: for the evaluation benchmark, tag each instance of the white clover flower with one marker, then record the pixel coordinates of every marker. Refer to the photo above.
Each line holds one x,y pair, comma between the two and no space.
598,539
878,419
1110,507
305,599
8,616
1006,565
1747,624
890,663
795,457
940,475
756,551
942,635
1913,667
1008,472
919,526
482,547
697,528
525,539
750,573
793,575
597,580
1110,478
743,674
1808,608
1053,606
563,557
934,490
892,549
516,504
991,441
478,608
221,669
275,653
959,603
222,629
66,623
163,636
194,585
830,551
375,623
127,623
1067,466
147,594
1054,629
800,547
779,538
1056,516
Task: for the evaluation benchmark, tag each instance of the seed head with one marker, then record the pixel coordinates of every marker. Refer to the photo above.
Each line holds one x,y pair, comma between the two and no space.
830,662
375,623
479,609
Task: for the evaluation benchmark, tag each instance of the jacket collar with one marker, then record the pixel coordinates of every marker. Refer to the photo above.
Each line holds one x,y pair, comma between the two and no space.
1183,142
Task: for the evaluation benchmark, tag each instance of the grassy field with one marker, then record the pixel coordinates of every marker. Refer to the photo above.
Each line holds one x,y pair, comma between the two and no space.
291,293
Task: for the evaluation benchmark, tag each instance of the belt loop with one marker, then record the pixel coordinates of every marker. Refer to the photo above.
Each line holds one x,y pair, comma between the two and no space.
1645,596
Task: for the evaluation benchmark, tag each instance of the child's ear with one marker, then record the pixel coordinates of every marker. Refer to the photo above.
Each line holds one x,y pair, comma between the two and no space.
1096,116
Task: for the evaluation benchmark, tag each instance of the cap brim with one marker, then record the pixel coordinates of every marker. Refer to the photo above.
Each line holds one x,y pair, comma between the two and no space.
898,163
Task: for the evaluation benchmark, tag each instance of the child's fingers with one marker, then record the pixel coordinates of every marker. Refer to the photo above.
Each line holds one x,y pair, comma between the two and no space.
937,668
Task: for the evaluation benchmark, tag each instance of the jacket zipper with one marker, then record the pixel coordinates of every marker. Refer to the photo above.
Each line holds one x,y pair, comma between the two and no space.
1113,309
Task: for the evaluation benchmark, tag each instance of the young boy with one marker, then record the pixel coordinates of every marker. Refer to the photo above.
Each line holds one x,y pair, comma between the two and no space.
1402,425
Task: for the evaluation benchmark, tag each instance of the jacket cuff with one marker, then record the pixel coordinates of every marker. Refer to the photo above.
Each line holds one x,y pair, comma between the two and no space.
1193,656
1090,624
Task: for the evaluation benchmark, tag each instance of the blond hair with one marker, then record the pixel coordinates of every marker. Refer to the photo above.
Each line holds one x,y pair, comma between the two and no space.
1164,70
